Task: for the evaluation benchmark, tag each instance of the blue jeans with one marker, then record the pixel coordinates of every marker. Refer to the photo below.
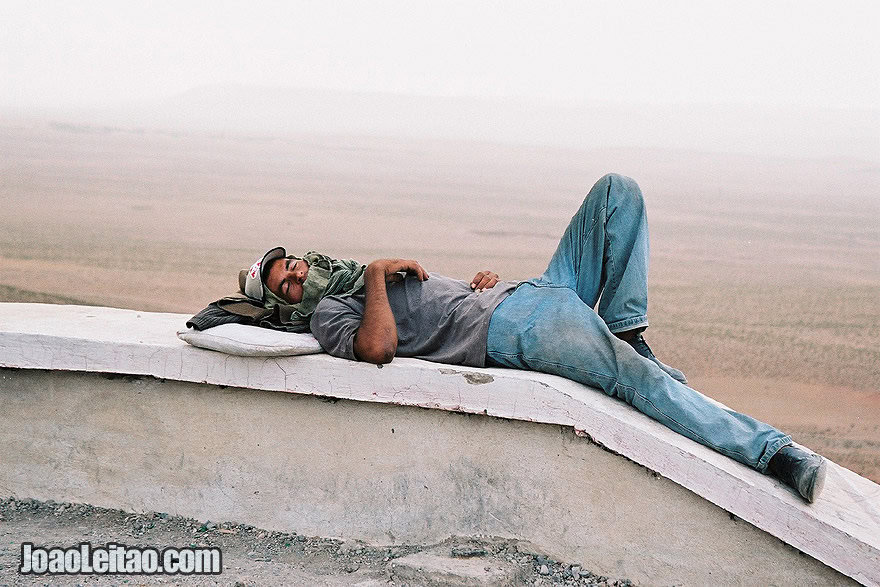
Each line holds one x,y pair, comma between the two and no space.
548,324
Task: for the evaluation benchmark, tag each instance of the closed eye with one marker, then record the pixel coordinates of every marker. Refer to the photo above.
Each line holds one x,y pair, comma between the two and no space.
285,284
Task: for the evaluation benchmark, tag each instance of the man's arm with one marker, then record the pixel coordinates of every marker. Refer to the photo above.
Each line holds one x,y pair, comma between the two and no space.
376,338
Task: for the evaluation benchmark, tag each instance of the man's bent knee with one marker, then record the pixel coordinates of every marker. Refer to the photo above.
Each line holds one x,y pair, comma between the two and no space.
621,190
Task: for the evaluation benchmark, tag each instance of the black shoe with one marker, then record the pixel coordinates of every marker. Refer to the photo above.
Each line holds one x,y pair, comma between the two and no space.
641,347
800,469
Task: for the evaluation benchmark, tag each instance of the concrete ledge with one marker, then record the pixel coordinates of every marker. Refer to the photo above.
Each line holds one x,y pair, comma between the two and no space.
842,530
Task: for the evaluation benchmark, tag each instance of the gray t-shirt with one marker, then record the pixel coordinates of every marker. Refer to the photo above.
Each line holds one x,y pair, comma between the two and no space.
439,319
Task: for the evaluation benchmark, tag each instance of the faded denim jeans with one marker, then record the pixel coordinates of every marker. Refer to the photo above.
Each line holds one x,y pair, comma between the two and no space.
548,324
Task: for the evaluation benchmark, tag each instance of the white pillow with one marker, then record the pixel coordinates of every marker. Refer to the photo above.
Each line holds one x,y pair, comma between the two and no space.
251,341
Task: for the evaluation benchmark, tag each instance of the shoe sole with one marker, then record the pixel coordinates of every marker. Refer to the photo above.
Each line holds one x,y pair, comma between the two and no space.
817,481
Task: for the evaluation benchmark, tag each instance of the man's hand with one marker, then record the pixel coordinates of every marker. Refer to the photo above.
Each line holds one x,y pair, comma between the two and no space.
484,280
392,268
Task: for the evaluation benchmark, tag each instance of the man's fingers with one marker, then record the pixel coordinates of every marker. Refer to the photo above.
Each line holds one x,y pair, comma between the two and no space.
413,268
484,280
478,278
393,267
418,271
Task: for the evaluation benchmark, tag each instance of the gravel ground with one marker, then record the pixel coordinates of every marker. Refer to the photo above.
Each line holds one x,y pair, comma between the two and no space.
251,556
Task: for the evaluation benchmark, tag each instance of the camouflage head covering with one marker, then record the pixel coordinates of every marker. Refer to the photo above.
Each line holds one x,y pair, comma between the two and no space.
327,277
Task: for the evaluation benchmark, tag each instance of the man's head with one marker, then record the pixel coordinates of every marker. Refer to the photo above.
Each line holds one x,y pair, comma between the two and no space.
278,273
285,278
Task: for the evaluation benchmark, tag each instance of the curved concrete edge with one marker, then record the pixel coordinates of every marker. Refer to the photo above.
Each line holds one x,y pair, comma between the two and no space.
841,530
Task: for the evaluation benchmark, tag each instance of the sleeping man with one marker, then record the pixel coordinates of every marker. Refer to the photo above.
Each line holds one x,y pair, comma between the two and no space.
393,307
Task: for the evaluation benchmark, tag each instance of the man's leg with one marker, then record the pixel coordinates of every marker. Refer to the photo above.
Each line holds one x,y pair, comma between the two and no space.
604,252
550,329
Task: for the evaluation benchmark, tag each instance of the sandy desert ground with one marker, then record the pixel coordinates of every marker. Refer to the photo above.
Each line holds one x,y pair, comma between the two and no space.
765,274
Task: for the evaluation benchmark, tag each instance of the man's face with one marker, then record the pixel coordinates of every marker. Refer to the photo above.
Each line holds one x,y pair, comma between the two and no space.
285,279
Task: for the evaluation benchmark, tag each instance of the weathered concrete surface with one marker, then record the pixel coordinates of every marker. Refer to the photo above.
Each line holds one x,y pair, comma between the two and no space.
375,472
842,529
433,569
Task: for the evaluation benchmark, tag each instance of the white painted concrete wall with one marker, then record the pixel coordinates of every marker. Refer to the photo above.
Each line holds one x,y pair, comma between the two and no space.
371,471
842,529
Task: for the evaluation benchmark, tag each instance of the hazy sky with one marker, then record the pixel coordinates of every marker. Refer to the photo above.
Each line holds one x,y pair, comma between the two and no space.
813,53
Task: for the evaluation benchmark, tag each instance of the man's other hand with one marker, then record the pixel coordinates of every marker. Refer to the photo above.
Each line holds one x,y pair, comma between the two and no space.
393,269
484,280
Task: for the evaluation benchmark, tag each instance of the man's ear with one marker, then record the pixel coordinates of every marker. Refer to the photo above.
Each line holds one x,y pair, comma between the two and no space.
242,276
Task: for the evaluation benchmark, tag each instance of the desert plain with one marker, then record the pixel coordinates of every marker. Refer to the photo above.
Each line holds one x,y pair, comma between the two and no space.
765,271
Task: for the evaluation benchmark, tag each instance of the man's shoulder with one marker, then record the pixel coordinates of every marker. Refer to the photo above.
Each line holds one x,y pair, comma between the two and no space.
334,312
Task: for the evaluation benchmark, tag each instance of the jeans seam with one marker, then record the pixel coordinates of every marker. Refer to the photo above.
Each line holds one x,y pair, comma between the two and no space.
607,240
577,269
545,284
